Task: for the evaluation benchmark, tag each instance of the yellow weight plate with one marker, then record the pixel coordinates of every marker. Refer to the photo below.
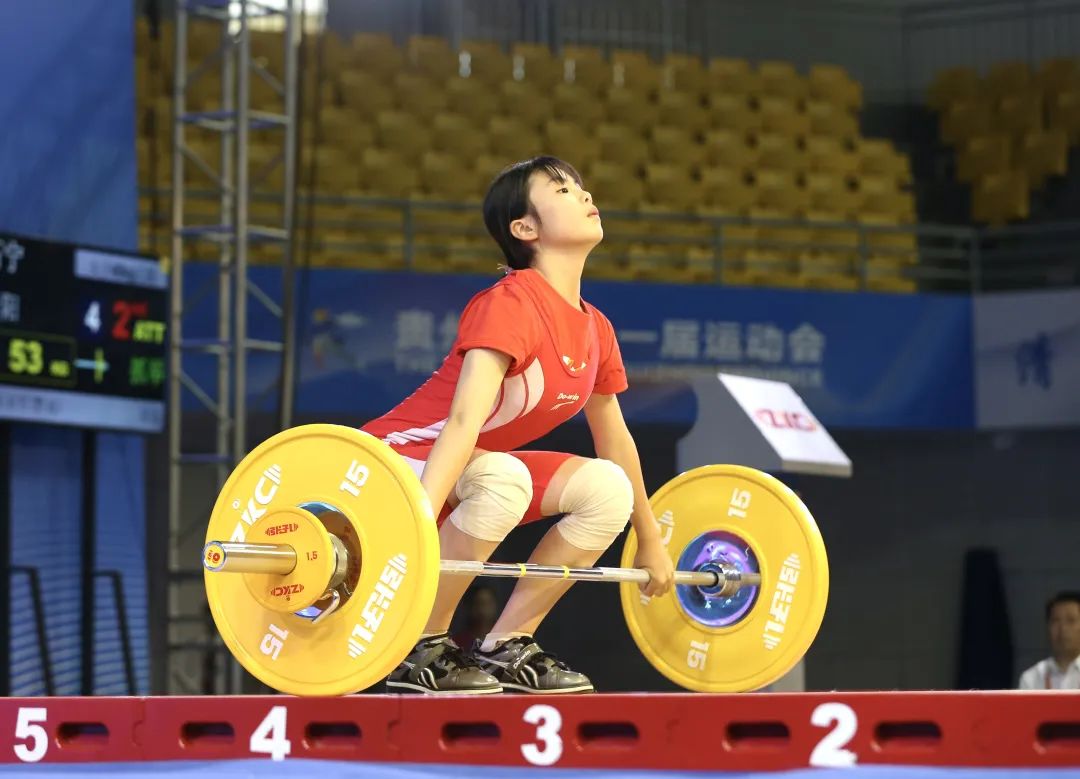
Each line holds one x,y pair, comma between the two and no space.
752,641
315,561
388,524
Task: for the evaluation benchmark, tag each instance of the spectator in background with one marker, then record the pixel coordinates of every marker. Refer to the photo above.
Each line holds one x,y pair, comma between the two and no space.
1060,671
481,610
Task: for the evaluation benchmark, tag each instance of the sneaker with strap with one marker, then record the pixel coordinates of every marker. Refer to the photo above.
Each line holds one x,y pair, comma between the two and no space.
520,665
437,666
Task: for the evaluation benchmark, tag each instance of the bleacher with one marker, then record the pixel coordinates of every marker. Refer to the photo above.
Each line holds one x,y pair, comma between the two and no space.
1011,129
719,170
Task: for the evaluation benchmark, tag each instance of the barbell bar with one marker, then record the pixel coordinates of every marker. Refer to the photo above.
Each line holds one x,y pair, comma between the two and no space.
240,557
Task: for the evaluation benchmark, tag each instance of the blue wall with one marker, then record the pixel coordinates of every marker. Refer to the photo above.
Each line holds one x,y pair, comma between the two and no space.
67,172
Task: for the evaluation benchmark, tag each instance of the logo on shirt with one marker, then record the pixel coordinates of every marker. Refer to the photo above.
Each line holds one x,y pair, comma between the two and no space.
565,400
569,363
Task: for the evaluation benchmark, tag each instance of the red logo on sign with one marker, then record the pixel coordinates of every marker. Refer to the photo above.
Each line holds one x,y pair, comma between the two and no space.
786,420
277,530
285,590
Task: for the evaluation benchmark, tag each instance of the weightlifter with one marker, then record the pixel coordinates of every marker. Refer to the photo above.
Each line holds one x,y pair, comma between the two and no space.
529,354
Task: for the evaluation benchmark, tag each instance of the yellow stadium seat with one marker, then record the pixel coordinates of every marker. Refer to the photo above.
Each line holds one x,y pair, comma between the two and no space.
728,76
486,61
965,119
534,64
1064,113
1042,154
675,145
829,154
631,108
833,84
375,53
418,95
827,118
774,258
781,114
432,55
829,191
781,152
342,125
513,139
614,186
983,155
830,262
732,112
779,190
633,68
883,199
403,133
454,133
365,93
587,67
1020,113
878,155
472,98
685,73
1058,74
728,148
622,144
952,85
333,170
670,187
387,174
488,165
781,79
725,191
570,141
887,239
1005,79
575,103
682,109
525,101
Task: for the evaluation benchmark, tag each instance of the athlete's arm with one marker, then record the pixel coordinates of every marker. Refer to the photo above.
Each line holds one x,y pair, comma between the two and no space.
482,372
612,441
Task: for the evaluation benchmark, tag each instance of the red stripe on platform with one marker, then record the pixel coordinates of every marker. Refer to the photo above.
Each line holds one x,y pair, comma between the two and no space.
757,732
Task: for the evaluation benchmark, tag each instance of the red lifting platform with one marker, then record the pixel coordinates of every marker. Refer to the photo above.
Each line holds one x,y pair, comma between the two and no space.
754,732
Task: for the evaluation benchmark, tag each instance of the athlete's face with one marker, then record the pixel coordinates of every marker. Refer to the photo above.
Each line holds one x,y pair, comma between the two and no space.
567,217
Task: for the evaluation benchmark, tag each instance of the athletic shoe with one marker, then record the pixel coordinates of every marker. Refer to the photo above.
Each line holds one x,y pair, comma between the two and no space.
437,666
520,665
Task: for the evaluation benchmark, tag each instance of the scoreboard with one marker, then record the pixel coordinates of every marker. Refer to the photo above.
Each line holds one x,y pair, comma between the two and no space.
82,336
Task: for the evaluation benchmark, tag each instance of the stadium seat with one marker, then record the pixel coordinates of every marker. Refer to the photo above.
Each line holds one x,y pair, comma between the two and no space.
534,64
526,101
486,61
455,134
685,73
631,108
376,54
432,55
832,84
1064,113
1006,79
953,85
622,144
725,191
965,119
732,112
570,141
418,95
614,186
983,155
999,198
675,145
575,103
781,79
633,68
403,133
471,98
683,109
1042,154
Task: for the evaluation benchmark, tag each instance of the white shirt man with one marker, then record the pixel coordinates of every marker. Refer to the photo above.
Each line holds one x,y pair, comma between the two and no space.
1060,671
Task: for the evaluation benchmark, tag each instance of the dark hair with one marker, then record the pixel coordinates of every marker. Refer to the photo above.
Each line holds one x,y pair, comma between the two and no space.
1062,597
507,199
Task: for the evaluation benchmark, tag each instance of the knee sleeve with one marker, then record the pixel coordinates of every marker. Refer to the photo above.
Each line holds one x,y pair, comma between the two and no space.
495,489
597,501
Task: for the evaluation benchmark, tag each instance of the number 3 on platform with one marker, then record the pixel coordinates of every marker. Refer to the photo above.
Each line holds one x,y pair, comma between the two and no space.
548,723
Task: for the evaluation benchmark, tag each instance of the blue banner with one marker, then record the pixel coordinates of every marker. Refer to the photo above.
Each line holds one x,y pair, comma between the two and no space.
368,339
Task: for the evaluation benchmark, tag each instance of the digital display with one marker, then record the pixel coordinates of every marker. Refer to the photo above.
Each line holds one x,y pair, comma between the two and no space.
82,336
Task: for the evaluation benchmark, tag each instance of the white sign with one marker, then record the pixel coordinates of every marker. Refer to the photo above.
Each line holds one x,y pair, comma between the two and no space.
790,428
1027,359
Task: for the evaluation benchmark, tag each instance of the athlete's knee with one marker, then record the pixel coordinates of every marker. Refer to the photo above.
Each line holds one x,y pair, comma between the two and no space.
495,489
597,502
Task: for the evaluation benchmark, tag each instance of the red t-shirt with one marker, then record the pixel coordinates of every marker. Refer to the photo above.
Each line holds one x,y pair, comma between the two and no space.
559,356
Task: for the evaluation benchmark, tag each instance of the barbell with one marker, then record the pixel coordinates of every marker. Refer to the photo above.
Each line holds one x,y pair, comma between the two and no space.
321,564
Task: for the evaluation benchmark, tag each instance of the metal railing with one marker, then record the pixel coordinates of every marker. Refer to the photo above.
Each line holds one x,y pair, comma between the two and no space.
427,235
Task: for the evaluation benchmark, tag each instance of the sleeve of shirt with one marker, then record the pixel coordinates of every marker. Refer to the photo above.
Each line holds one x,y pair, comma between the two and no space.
502,319
610,375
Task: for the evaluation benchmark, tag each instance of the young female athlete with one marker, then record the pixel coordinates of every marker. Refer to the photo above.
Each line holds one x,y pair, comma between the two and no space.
529,354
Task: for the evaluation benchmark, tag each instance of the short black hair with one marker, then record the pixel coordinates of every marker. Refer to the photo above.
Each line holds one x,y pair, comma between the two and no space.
507,199
1066,596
